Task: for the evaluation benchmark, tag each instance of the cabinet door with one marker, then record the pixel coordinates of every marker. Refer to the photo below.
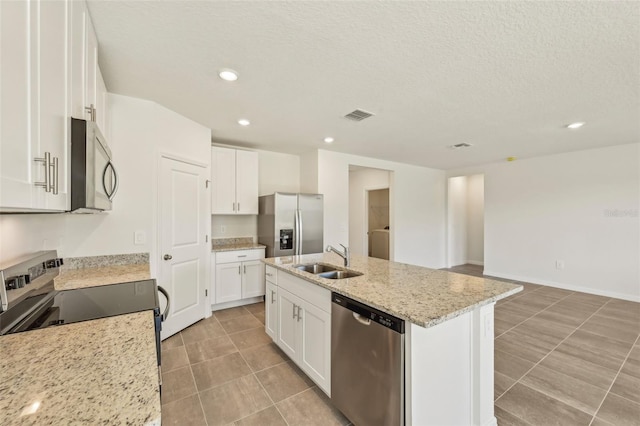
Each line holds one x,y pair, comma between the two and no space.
78,51
91,67
228,282
271,311
102,110
53,106
315,346
288,328
252,279
16,161
223,177
247,182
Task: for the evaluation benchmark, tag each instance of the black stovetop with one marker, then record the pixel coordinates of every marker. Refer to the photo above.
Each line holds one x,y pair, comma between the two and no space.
69,306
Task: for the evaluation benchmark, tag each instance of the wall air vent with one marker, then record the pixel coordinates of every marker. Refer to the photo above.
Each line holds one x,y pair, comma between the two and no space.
358,115
460,145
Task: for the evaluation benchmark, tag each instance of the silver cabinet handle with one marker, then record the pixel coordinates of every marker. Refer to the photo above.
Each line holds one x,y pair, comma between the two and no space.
239,269
298,313
294,312
91,110
243,255
245,268
167,257
46,160
55,176
273,294
268,274
238,207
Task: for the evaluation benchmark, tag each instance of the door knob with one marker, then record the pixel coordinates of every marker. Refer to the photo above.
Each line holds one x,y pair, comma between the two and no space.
168,257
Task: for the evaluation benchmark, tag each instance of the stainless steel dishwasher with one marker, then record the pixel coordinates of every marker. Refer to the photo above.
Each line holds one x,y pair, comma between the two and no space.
367,363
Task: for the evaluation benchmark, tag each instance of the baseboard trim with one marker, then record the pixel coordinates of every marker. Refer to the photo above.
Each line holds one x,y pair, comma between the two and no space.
236,303
492,422
476,262
564,286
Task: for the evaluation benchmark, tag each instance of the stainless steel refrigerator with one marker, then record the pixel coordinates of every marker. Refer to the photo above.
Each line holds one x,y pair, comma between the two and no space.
290,224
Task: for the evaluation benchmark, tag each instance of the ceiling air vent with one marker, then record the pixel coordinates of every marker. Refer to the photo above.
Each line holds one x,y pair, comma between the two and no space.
460,145
358,115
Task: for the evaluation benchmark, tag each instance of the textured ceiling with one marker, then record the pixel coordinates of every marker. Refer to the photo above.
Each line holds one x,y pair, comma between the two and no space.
503,76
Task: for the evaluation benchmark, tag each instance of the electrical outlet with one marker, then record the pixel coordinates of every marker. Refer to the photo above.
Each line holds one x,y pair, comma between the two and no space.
559,264
223,229
139,238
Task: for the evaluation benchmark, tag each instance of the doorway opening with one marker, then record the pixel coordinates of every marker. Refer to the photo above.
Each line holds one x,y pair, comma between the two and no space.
370,213
465,220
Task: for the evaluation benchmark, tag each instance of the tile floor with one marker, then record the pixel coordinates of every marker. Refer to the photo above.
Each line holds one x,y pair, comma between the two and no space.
561,358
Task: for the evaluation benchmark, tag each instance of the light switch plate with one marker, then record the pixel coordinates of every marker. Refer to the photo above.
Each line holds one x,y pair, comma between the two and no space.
139,238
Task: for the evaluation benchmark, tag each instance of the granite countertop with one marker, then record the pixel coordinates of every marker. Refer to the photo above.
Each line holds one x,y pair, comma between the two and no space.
239,246
70,279
423,296
94,372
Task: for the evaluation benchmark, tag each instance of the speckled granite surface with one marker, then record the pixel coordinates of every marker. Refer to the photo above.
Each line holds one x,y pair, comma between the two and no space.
94,372
91,277
108,260
423,296
230,244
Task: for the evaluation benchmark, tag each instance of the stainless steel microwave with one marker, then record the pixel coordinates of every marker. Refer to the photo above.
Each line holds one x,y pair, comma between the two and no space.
94,180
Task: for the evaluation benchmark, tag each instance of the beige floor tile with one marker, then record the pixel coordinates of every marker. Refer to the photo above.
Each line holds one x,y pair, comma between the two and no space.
599,422
539,409
260,316
203,329
567,389
518,307
511,314
580,369
265,356
250,338
619,411
523,346
203,350
500,384
588,299
538,300
217,371
174,358
611,327
565,315
501,327
309,408
172,342
554,292
576,310
233,400
507,419
183,412
226,314
267,417
511,365
544,331
177,384
255,308
241,323
627,387
632,366
622,310
597,349
283,381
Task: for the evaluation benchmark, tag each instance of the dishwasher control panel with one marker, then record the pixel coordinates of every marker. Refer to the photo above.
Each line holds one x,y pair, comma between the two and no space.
370,313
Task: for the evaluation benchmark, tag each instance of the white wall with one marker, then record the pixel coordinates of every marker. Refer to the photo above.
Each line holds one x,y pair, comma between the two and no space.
417,206
309,172
475,219
140,131
359,182
580,208
234,226
457,221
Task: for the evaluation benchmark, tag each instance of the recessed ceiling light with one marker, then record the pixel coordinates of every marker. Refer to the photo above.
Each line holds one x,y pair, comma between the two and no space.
228,75
244,122
328,139
576,125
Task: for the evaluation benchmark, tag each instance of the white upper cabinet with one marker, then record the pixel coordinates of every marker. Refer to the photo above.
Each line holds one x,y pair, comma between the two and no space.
48,73
234,175
34,142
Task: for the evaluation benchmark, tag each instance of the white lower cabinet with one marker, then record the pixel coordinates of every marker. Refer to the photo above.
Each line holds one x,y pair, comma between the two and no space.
302,325
237,275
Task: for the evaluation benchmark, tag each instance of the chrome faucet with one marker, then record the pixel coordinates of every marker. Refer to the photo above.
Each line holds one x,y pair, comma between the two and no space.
344,255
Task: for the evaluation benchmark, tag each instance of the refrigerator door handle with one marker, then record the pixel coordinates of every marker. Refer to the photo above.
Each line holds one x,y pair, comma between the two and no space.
300,232
296,229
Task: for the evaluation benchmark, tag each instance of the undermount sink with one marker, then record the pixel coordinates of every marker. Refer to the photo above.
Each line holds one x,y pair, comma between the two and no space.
338,275
315,268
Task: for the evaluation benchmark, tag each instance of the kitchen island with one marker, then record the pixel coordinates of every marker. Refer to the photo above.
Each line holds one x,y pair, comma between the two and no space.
448,344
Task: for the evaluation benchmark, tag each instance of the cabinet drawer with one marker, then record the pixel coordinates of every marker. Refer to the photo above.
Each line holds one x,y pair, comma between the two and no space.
239,255
270,274
312,293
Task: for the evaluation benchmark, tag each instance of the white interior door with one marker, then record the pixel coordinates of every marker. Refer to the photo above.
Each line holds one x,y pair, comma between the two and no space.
183,205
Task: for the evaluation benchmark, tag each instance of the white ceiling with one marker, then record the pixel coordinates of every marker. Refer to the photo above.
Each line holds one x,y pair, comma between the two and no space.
503,76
